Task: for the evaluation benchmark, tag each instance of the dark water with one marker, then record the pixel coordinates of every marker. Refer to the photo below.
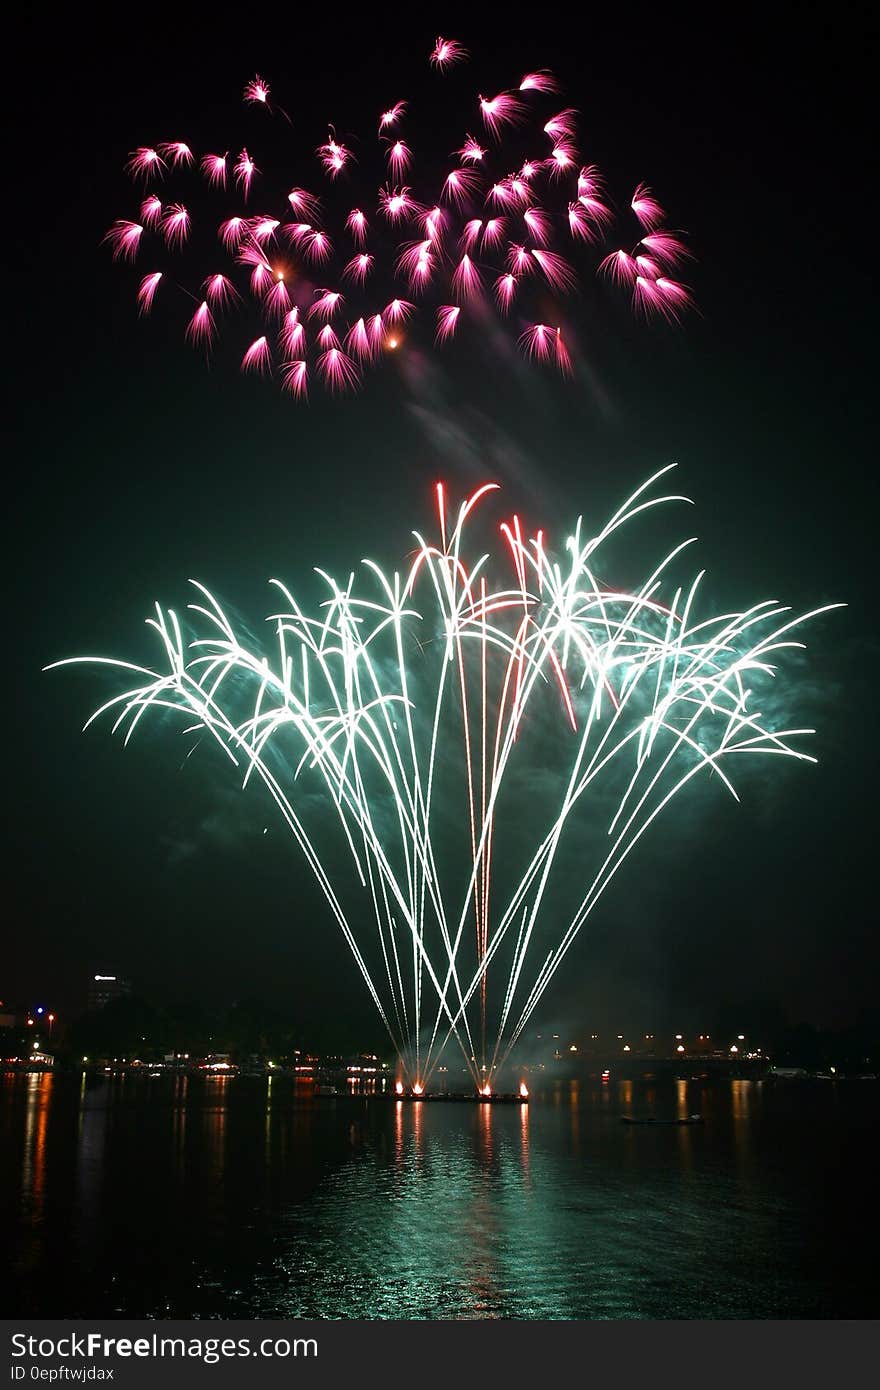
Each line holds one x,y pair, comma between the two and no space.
245,1198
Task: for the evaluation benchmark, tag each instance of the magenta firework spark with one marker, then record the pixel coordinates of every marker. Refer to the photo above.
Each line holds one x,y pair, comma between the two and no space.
318,280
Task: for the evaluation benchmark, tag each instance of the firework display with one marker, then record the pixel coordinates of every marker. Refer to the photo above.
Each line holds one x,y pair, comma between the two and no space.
437,739
315,277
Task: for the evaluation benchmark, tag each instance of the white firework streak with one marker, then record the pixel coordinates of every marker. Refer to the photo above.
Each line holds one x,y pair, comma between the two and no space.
645,690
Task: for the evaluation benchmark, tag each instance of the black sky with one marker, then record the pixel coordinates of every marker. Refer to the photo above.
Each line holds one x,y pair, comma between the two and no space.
133,467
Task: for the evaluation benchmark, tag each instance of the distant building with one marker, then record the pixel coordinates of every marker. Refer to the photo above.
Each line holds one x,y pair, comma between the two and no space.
104,987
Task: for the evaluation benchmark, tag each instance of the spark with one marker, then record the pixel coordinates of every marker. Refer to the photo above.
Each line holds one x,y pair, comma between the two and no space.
500,111
294,378
220,291
326,305
144,162
447,319
176,152
471,152
244,171
399,158
200,328
460,185
257,91
151,210
542,81
505,289
147,291
337,370
214,168
358,268
125,238
176,224
466,278
291,339
556,270
258,357
446,52
645,206
356,223
392,115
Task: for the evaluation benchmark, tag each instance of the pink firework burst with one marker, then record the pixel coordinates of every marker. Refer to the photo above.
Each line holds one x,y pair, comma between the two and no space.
580,225
557,271
646,265
277,300
541,81
500,111
519,261
540,224
399,158
333,156
213,167
505,290
151,211
668,247
398,311
328,303
147,291
416,262
244,171
440,242
337,370
392,115
356,224
494,231
466,279
359,343
358,268
538,342
258,357
220,292
446,52
433,221
563,158
317,247
295,378
447,319
646,207
200,329
231,232
461,185
175,224
471,152
563,125
620,267
263,229
396,203
304,204
257,91
471,233
144,163
292,337
177,152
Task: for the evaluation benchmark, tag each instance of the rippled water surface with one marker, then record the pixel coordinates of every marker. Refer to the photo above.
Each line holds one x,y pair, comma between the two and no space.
248,1198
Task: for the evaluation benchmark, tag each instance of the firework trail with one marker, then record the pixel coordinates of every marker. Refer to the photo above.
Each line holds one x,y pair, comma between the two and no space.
492,229
424,704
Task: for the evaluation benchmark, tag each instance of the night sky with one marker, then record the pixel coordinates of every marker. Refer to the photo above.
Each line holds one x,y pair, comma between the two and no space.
134,467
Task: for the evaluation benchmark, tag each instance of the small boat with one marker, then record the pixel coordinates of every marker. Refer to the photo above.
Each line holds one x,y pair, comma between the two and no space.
323,1090
652,1120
